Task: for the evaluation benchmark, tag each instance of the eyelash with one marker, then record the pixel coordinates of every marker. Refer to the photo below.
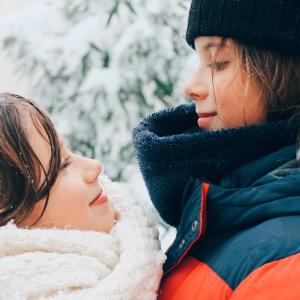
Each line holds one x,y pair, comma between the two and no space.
218,65
65,163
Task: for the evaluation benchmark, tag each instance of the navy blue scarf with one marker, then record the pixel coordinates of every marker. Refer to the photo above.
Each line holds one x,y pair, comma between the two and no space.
171,148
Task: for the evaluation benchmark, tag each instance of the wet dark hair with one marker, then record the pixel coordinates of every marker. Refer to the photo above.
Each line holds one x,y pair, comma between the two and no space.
276,76
20,168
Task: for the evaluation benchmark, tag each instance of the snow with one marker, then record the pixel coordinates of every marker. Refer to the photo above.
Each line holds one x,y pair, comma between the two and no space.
99,73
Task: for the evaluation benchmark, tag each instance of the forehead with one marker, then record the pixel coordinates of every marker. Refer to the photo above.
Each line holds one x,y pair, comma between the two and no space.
38,138
42,137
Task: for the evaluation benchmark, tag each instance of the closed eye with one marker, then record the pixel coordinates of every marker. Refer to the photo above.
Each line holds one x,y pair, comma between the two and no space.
65,163
218,65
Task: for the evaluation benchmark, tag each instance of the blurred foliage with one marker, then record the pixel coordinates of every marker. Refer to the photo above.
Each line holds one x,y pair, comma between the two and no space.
99,66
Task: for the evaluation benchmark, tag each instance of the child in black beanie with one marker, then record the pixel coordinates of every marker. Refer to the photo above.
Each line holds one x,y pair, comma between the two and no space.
224,170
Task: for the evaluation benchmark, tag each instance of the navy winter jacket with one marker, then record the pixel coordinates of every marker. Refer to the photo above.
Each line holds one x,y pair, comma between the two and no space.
234,197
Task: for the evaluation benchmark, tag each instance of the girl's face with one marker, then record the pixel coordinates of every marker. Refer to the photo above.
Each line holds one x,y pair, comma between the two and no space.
218,88
71,201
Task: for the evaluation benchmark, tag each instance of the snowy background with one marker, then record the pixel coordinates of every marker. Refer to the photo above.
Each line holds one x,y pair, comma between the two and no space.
98,67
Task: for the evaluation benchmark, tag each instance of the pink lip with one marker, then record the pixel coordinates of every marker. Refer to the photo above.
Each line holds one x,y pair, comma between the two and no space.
100,199
205,119
205,115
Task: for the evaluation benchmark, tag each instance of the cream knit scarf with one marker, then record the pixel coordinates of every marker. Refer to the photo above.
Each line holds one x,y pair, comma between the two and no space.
72,264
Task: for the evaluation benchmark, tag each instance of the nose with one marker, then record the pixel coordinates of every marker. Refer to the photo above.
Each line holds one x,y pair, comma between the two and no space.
92,171
195,90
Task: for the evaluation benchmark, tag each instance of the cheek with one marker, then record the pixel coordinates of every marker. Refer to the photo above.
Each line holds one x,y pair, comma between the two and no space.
226,85
237,106
73,199
67,210
228,94
68,198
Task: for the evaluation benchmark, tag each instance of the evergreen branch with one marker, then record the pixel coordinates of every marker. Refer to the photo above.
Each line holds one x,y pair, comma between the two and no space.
113,11
127,2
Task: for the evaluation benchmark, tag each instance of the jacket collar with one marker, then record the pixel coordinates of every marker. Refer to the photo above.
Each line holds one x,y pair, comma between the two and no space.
266,188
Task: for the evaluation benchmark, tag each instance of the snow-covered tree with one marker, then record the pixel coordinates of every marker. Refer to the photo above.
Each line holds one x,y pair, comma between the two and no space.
99,66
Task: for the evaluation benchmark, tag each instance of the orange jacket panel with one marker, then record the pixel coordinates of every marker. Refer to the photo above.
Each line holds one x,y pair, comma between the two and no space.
193,280
277,280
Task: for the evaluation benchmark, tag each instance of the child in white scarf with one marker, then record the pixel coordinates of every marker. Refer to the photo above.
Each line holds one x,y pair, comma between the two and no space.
65,235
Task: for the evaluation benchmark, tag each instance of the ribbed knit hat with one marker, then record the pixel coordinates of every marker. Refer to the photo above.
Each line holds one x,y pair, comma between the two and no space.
272,24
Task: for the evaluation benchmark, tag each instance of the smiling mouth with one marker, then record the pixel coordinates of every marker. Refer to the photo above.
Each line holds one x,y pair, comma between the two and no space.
205,120
207,115
100,199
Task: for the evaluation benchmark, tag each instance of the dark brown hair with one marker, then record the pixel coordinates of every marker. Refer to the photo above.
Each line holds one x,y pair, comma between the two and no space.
20,168
276,76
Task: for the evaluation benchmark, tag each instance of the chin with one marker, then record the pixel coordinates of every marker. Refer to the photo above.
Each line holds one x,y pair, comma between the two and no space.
108,223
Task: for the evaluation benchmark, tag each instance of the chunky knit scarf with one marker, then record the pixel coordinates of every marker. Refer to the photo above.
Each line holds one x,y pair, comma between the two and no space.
171,148
72,264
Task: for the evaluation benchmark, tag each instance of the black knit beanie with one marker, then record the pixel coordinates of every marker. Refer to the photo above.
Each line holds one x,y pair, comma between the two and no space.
271,24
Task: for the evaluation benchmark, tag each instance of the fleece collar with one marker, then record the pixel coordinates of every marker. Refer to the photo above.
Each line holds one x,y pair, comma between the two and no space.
171,148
